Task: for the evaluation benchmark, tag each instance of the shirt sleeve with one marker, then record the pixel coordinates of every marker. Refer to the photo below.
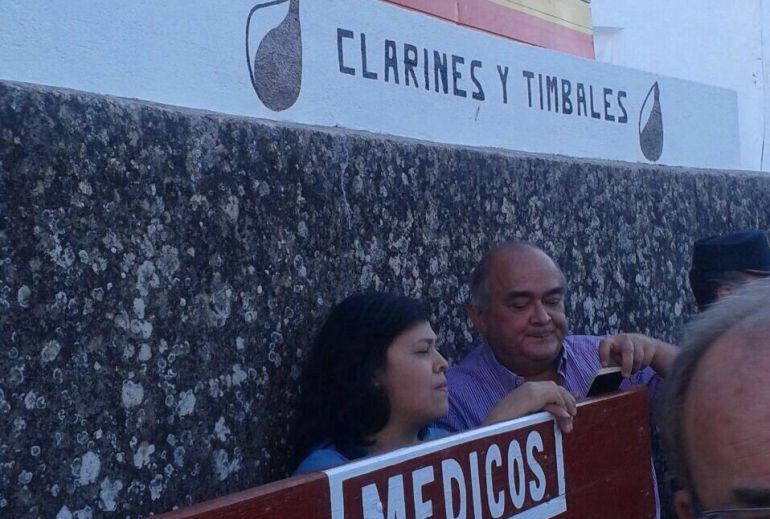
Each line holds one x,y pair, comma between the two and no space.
646,377
434,433
320,459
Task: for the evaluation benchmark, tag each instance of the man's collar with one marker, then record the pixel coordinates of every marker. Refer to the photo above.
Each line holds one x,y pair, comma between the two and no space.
565,355
560,363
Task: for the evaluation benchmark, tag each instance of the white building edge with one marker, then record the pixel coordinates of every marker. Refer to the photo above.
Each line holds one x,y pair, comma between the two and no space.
715,42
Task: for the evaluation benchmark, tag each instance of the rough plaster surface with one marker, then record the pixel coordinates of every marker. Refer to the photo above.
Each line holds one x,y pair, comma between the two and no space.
162,272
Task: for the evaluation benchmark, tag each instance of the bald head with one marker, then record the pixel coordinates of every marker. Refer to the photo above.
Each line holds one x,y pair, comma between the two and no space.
517,305
718,403
513,253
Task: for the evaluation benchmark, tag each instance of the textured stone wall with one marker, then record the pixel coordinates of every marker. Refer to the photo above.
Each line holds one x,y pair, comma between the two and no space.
162,272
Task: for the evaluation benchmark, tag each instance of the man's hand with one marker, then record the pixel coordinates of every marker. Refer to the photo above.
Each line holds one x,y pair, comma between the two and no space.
531,397
634,352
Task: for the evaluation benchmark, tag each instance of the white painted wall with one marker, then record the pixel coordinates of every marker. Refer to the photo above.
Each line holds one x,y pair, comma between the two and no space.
765,35
716,42
154,50
193,54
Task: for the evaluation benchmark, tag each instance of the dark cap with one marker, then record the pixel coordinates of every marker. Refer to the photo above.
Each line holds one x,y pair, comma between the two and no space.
746,251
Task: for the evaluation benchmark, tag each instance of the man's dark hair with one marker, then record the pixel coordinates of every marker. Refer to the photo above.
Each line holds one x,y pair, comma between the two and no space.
704,284
338,399
749,303
727,260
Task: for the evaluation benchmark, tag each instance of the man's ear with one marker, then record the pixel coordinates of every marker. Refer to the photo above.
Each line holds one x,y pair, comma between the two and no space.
476,317
724,290
683,504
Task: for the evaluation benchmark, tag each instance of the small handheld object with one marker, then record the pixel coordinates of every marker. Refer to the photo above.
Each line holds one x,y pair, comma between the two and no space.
605,380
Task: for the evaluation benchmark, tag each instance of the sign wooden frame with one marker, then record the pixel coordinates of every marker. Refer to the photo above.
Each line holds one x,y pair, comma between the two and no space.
601,468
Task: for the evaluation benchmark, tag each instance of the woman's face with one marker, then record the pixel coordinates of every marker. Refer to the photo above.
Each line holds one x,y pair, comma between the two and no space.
414,377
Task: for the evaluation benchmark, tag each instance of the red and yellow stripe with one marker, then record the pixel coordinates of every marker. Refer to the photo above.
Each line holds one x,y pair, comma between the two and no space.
563,25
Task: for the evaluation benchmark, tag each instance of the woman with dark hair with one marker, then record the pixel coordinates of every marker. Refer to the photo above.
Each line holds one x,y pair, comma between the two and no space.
372,382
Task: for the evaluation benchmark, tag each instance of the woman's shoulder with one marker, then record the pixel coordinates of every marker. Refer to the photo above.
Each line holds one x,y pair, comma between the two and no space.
323,457
434,433
326,455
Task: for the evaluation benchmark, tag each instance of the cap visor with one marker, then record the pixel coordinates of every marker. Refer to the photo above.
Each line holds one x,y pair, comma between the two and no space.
757,272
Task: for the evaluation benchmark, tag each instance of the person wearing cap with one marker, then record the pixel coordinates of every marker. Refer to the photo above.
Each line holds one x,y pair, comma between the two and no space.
517,304
722,263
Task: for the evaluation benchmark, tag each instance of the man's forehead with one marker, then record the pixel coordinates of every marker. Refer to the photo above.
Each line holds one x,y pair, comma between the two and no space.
736,360
726,417
741,348
522,265
730,389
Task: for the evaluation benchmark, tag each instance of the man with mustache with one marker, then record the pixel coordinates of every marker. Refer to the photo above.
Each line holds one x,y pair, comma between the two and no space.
517,305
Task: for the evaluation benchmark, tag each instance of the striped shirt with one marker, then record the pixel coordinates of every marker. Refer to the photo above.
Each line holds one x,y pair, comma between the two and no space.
479,381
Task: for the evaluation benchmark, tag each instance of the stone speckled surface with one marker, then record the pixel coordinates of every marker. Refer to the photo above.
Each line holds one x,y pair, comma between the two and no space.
162,272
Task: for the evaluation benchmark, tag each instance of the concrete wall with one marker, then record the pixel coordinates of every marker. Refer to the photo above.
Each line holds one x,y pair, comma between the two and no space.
162,272
714,42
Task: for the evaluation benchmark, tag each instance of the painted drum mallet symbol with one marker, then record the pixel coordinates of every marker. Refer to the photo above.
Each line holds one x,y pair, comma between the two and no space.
651,133
277,72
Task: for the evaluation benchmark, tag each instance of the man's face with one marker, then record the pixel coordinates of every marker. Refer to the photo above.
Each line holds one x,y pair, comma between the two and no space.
524,321
745,277
726,421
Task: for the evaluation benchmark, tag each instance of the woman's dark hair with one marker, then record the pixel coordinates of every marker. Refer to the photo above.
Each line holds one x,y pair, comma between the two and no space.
338,400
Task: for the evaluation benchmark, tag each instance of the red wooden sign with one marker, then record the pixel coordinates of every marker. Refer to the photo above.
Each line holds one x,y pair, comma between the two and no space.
524,468
488,472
